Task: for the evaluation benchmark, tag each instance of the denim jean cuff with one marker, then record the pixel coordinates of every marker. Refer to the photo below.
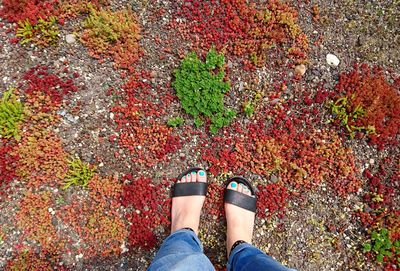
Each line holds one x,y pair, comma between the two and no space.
237,250
189,233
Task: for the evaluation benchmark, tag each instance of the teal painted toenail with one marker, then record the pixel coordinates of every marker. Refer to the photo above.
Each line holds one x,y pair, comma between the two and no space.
201,173
193,172
233,185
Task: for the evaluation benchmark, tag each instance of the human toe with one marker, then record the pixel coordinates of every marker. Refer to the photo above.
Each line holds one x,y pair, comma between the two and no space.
201,176
246,190
233,186
193,176
188,178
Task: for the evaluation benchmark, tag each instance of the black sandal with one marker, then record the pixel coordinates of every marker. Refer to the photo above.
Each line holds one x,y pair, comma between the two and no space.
191,188
239,199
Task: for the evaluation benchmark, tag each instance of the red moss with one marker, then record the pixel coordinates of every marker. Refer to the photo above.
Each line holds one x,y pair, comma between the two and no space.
26,259
367,87
150,209
302,160
283,140
42,160
244,28
20,10
380,203
96,218
35,220
271,199
114,34
40,79
73,8
380,198
147,140
40,113
214,204
7,165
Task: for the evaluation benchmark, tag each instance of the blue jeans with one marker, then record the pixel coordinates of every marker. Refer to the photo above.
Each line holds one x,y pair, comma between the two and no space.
183,250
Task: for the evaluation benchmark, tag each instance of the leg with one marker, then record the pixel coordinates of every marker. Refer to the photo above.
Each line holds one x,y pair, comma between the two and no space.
247,257
240,224
182,250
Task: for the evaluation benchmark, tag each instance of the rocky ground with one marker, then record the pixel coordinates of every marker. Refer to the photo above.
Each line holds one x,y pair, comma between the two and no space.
317,230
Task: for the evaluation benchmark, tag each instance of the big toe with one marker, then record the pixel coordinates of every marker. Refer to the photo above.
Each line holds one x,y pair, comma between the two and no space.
233,186
239,187
201,176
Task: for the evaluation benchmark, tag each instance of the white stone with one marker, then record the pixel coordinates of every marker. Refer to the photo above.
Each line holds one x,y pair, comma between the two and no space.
70,38
124,248
371,161
332,60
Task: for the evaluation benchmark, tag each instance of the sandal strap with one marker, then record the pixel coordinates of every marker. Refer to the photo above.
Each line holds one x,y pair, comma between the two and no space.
239,199
189,189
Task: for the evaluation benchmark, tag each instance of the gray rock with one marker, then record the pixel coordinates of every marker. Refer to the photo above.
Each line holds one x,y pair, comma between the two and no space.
230,64
273,178
275,101
70,38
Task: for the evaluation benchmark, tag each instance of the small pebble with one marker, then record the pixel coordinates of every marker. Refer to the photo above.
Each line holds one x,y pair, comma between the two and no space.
70,38
275,101
371,161
124,248
273,178
300,69
332,60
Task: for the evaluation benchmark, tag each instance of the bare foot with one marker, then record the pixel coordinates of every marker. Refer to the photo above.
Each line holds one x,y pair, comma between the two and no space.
240,222
186,210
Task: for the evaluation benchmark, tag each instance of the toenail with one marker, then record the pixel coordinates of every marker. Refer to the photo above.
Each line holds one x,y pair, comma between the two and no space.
193,173
201,173
233,184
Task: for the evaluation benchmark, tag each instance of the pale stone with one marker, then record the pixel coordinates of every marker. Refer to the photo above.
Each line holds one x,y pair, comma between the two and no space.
70,38
332,60
300,69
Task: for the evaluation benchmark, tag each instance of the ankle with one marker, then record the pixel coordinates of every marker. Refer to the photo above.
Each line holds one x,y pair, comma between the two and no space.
182,221
238,242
